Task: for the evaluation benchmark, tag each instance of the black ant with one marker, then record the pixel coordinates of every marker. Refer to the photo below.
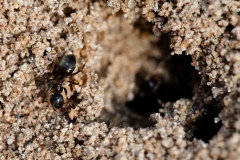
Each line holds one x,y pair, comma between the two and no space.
65,68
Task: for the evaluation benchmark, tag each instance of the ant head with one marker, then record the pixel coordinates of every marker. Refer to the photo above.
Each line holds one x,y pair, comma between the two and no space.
67,65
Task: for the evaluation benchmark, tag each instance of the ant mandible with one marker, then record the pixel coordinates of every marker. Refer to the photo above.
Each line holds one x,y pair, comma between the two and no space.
65,68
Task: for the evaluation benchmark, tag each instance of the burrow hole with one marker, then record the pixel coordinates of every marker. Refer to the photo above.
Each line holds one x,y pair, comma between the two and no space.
184,79
206,127
150,89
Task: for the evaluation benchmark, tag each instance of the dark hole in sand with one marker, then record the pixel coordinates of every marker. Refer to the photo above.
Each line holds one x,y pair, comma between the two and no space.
206,128
68,11
79,142
183,78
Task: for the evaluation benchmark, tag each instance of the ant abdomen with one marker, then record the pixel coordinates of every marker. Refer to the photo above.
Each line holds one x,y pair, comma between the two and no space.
56,100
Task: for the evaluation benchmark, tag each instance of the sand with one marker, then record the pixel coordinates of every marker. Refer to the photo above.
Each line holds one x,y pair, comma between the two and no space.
161,79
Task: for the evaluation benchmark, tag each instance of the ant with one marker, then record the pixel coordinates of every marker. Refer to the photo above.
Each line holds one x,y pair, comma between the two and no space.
64,69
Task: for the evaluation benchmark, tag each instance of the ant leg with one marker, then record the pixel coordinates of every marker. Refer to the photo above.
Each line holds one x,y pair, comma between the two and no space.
63,111
66,110
75,73
56,61
43,79
72,82
79,70
47,84
70,104
65,90
53,66
50,89
35,79
83,66
39,79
